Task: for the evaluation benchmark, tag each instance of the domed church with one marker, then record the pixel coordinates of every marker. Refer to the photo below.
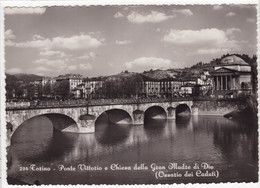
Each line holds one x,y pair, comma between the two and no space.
231,77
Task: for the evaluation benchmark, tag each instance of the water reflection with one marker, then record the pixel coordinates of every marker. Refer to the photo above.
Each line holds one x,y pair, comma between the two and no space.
112,134
230,145
183,121
59,145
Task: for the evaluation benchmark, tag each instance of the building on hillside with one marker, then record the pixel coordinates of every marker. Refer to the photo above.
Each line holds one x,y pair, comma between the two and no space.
231,77
77,93
170,87
93,87
203,85
190,81
73,80
186,90
46,88
151,88
37,86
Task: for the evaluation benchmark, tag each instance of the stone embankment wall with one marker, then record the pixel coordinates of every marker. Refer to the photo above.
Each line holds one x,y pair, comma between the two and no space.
219,107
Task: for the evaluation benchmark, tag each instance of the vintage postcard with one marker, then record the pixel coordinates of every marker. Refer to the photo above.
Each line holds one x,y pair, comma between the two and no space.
129,94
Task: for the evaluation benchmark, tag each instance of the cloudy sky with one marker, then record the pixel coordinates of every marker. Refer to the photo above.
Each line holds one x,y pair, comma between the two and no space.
104,40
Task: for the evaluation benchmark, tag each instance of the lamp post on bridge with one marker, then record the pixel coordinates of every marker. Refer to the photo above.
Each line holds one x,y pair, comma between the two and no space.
88,96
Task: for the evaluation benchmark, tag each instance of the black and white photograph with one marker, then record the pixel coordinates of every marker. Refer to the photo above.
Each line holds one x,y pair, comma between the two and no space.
131,94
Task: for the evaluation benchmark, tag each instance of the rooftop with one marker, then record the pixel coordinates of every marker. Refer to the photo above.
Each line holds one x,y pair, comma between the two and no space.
233,60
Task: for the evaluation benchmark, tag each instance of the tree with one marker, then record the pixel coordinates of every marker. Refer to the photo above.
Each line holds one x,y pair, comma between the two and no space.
62,89
31,91
47,90
19,92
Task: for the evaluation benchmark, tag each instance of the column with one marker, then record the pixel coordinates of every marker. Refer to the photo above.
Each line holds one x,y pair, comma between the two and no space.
231,82
234,82
221,82
217,79
226,82
214,83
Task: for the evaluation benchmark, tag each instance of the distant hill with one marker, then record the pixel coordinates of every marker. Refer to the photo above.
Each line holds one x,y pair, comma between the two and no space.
24,77
160,74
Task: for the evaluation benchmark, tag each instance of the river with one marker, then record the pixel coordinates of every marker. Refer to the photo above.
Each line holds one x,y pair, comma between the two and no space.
228,145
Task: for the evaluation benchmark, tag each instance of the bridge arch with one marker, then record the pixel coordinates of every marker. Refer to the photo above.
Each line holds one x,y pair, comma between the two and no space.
155,112
115,116
183,109
60,122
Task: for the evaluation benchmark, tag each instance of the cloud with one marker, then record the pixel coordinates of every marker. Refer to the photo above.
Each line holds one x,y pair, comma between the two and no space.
75,42
231,31
204,51
72,67
145,63
118,15
230,14
22,10
37,37
56,63
51,53
186,12
250,20
204,41
191,37
9,35
86,66
217,7
244,6
153,17
14,71
123,42
90,55
41,70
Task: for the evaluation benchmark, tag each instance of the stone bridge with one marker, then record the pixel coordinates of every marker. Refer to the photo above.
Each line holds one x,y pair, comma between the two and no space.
81,119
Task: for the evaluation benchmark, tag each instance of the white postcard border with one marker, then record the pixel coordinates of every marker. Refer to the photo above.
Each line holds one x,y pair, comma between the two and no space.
104,2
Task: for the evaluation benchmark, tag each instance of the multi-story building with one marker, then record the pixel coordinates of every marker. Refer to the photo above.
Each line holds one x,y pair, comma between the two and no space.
152,88
73,80
93,87
170,87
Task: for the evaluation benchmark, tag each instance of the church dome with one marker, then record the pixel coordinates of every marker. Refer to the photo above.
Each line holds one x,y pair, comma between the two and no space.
233,59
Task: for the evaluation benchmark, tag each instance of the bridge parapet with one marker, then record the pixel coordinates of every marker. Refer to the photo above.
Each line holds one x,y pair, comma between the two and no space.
83,102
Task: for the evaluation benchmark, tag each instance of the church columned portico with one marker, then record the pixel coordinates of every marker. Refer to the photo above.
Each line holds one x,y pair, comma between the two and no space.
224,82
231,77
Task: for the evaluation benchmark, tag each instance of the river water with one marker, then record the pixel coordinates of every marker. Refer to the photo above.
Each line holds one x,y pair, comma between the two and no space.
229,146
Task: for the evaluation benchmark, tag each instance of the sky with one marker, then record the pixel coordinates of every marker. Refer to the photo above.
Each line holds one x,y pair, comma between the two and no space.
106,40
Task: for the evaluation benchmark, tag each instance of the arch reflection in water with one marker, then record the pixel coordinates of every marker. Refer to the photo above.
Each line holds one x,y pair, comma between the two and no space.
112,134
108,133
35,141
58,146
154,128
183,121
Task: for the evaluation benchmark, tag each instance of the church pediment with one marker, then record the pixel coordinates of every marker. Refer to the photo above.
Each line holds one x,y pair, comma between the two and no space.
224,70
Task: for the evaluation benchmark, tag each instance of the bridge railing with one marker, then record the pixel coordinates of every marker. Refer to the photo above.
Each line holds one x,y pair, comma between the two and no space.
85,102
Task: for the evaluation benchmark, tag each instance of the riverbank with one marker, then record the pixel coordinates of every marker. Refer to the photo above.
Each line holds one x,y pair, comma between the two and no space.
250,111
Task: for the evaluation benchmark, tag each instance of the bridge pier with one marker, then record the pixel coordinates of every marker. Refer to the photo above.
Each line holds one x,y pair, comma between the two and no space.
194,111
138,117
171,113
86,123
86,126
